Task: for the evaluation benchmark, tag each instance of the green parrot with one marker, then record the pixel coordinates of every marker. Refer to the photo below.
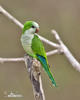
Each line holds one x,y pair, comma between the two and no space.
34,47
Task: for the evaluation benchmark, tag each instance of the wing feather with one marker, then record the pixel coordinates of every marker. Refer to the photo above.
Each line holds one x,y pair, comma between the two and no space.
37,47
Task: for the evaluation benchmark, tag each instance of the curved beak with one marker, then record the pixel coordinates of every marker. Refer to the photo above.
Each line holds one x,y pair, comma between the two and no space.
37,30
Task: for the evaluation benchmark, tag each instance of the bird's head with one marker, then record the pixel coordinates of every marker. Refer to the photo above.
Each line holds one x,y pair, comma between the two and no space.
31,26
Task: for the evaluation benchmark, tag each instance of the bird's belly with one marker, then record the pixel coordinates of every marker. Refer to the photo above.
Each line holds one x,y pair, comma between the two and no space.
26,43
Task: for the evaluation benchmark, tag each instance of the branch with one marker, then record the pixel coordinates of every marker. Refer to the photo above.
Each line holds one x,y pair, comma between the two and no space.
52,52
33,67
2,60
67,53
4,12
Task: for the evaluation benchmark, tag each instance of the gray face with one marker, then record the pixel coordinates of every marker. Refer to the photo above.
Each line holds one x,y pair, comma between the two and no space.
35,27
30,27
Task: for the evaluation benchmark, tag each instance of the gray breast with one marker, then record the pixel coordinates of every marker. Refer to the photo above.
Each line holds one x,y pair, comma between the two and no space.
26,40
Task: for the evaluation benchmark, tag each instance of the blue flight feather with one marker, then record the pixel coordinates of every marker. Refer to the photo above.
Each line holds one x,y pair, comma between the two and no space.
46,67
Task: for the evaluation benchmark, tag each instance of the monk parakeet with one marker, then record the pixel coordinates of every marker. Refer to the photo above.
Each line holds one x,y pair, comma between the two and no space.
34,47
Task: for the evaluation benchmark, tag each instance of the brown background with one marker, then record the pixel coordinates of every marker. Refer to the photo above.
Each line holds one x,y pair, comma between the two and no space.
62,15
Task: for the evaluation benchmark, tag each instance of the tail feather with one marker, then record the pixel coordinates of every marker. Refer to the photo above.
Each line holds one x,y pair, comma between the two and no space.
51,77
47,69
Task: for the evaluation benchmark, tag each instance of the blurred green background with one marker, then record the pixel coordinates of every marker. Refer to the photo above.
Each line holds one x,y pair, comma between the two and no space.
61,15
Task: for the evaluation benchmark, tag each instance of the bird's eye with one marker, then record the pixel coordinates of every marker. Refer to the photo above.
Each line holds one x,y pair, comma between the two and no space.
33,27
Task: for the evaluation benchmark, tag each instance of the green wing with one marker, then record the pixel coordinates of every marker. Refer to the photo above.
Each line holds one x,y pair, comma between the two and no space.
39,51
37,46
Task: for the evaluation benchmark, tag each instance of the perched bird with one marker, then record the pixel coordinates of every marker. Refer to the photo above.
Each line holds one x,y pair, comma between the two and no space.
34,47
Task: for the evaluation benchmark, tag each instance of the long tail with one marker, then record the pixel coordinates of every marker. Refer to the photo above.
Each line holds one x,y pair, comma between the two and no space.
47,69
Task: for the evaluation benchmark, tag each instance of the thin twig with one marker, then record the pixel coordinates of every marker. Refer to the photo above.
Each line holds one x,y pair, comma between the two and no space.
21,59
66,52
52,52
2,60
8,15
